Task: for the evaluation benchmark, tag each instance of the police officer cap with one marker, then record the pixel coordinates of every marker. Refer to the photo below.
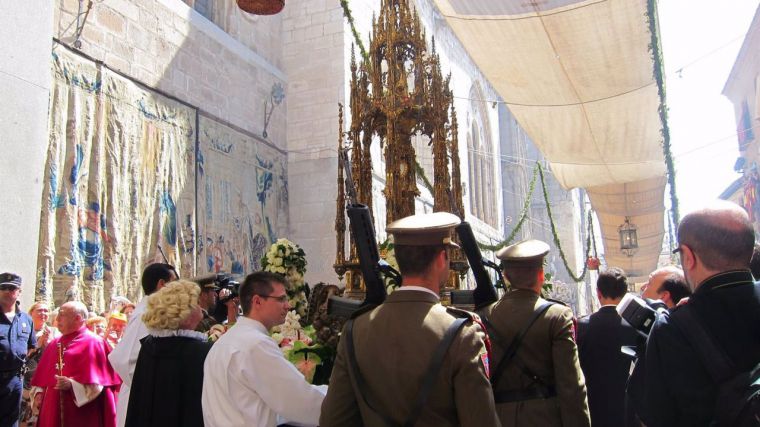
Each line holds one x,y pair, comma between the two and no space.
424,229
528,253
10,279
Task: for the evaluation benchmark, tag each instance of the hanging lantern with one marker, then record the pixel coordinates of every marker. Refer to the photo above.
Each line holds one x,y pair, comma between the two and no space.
629,241
261,7
592,263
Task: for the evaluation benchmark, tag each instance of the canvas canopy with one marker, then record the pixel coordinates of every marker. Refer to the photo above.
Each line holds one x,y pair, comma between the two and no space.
578,76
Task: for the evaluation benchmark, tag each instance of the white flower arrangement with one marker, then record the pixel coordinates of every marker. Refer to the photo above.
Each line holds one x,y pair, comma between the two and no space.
288,259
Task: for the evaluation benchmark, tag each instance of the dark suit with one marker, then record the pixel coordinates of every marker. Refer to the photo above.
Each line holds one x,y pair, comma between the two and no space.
680,391
394,343
606,369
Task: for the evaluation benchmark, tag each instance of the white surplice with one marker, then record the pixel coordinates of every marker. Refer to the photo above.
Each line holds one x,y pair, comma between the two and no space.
123,358
248,382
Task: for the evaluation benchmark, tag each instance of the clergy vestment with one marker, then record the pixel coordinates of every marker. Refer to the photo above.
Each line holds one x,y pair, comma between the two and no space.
124,357
92,399
168,378
247,382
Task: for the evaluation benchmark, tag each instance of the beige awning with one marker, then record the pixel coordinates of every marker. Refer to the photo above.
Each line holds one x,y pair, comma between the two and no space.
578,76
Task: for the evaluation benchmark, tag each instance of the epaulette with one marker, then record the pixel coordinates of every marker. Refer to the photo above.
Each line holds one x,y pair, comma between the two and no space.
460,313
361,310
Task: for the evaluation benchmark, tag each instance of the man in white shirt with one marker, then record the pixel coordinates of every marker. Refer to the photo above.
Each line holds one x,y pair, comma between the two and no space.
123,358
247,381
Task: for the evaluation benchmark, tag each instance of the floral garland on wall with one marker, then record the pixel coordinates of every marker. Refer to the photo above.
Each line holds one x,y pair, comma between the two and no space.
538,172
656,52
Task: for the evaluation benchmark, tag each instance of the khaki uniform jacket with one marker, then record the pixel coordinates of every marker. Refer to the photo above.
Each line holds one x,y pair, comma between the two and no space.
548,351
394,344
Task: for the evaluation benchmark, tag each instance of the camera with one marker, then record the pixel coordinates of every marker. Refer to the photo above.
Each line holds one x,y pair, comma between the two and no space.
224,281
639,313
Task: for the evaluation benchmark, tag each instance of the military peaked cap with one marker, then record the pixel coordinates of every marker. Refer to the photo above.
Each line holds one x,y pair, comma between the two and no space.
424,229
528,253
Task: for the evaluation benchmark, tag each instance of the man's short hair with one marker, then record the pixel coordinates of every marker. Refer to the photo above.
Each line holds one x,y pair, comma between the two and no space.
612,283
155,273
754,263
720,245
522,277
259,283
677,287
416,260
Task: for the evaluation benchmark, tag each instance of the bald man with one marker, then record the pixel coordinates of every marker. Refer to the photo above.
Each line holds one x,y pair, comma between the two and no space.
666,284
77,382
715,245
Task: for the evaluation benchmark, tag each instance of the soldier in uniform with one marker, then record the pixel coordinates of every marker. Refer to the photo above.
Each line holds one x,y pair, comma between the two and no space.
536,377
387,379
207,301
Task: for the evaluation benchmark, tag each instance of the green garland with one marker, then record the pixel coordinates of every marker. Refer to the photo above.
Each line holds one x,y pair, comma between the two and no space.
357,39
421,173
656,52
556,237
523,216
590,240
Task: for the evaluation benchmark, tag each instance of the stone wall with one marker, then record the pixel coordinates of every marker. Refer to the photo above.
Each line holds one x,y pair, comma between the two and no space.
168,46
315,61
26,31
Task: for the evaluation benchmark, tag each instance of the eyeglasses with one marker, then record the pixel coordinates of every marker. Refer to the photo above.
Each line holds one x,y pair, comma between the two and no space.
677,250
8,287
280,299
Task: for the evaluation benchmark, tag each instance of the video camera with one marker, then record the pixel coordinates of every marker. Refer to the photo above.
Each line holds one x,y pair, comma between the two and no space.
221,281
639,312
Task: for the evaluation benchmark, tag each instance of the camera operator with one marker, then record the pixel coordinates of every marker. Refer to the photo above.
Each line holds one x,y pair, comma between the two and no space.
207,302
218,300
665,287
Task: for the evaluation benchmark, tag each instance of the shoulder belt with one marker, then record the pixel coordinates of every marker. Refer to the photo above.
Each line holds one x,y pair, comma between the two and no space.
511,349
556,301
359,384
363,309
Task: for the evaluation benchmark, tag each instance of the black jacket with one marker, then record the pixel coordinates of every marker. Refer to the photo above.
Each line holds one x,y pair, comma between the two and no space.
680,391
167,384
606,369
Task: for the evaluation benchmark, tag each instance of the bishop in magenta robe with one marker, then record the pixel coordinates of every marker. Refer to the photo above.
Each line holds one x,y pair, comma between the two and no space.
86,384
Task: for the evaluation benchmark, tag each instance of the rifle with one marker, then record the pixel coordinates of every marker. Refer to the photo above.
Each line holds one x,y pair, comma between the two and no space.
372,267
484,293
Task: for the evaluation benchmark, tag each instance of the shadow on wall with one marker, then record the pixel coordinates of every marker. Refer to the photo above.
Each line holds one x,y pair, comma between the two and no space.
155,141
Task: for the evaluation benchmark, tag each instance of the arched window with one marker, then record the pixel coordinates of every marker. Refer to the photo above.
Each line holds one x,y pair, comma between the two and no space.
482,178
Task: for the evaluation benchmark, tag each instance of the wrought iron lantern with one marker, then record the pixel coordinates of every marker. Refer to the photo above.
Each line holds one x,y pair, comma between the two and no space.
629,240
261,7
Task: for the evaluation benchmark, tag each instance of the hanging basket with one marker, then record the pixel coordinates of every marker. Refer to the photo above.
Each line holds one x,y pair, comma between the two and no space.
592,263
261,7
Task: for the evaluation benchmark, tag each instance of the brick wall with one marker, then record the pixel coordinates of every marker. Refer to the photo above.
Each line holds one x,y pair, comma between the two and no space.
169,46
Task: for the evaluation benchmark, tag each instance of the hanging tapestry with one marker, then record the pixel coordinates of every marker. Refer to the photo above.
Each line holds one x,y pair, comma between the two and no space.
242,198
119,183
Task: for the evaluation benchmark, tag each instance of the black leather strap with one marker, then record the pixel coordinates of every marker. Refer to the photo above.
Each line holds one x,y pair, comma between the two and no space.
511,350
359,382
433,369
428,381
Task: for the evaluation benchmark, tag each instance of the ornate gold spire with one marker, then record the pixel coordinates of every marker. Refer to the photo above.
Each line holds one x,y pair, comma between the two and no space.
400,93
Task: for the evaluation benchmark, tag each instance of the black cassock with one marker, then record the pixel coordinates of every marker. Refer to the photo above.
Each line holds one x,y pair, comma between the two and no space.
167,383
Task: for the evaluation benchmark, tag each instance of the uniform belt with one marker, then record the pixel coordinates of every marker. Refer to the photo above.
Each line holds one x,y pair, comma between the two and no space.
530,393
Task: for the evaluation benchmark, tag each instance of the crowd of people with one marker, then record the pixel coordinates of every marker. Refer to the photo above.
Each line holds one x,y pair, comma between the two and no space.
520,361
